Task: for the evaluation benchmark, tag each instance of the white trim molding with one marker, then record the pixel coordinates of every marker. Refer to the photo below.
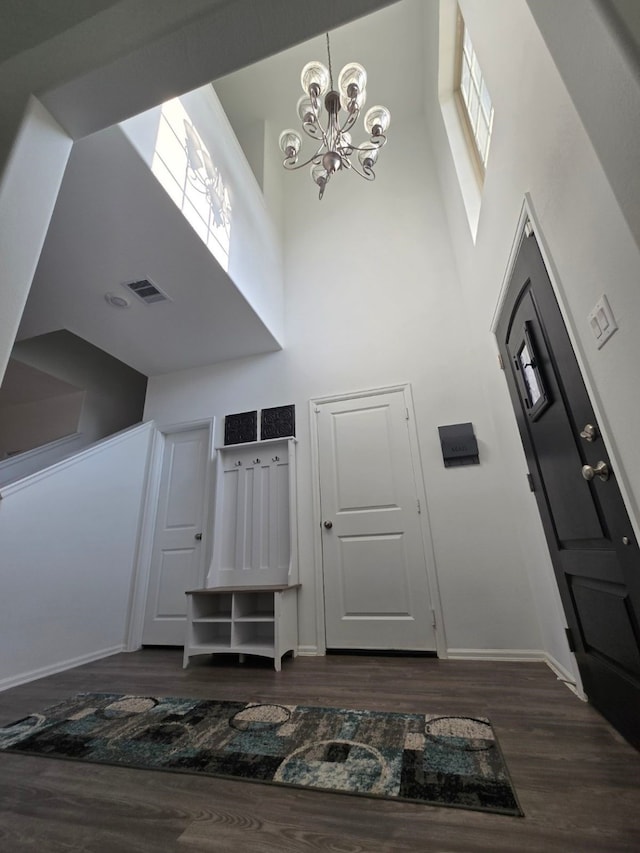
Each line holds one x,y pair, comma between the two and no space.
61,666
497,654
309,652
522,656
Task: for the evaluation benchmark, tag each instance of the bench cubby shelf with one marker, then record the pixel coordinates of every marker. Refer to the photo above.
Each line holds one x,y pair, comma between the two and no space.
246,620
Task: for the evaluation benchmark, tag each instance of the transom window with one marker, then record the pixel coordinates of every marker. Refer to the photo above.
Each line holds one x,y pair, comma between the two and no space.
474,99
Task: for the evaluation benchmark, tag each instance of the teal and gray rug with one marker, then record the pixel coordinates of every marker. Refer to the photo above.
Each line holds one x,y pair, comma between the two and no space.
422,758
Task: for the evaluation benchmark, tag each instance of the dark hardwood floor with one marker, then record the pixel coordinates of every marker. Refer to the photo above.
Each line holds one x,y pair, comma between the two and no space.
577,780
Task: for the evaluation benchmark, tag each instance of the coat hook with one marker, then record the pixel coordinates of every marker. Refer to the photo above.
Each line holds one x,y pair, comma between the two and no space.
276,459
256,461
239,462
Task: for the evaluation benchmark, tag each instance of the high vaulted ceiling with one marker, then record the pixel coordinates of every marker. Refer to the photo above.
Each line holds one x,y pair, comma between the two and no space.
114,224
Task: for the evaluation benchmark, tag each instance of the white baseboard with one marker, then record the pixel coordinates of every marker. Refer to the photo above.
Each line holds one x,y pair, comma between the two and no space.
61,666
565,676
523,655
309,652
497,654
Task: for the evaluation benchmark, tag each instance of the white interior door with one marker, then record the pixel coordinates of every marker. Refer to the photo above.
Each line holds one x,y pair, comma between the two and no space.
177,559
375,574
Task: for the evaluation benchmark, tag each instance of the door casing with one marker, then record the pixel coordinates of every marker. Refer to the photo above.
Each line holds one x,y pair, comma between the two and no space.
425,528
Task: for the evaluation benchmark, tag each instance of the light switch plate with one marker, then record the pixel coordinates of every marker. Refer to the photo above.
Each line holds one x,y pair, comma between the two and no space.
601,321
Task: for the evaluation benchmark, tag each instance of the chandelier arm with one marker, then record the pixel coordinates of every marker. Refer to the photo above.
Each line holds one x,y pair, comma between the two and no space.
350,120
373,140
367,172
292,164
314,130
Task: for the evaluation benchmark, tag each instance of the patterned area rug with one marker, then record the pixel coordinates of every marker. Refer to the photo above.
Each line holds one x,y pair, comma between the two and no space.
443,761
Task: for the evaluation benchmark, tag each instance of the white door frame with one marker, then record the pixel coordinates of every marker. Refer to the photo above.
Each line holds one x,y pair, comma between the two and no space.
149,510
425,526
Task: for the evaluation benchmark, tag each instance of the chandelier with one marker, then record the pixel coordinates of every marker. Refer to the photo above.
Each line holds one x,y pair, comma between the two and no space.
333,130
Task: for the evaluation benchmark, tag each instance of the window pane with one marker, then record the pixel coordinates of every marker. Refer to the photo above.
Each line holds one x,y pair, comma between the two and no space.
482,138
474,103
475,71
468,49
465,80
485,99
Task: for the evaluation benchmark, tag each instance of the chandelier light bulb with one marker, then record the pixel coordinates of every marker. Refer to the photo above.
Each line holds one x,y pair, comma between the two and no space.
346,141
314,77
368,155
350,105
306,111
289,143
352,79
377,120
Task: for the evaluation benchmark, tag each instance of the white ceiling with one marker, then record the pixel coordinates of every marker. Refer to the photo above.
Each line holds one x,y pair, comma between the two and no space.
113,222
389,43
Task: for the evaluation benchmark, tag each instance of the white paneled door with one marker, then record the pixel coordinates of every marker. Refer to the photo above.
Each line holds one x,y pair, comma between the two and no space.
375,575
177,559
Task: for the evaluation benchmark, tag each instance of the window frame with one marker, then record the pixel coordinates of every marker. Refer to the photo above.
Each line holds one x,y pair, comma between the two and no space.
469,132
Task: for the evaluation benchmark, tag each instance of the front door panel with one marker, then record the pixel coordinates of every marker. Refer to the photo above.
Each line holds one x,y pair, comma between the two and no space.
595,556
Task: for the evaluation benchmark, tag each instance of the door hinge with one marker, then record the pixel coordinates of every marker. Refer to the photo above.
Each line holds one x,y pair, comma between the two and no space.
570,640
433,618
532,485
500,361
419,507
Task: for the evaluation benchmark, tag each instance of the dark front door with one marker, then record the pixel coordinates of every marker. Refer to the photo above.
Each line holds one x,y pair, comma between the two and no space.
593,548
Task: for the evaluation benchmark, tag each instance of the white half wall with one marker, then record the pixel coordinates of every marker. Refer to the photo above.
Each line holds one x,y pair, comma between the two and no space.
69,538
372,299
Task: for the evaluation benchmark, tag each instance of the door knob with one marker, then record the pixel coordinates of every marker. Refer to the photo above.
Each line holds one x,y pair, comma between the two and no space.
198,536
328,524
600,470
589,433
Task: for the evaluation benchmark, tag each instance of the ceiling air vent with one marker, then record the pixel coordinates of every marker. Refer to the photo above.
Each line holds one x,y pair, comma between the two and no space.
147,291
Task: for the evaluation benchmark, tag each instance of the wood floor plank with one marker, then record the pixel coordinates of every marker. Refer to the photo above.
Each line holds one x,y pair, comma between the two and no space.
577,780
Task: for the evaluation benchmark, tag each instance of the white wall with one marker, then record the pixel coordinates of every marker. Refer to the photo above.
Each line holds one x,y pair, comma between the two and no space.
540,146
372,299
66,588
24,426
113,391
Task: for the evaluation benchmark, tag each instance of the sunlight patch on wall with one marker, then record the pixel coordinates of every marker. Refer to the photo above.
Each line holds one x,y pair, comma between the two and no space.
186,170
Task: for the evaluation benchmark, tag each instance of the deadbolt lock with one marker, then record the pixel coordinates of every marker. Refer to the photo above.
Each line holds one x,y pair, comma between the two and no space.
589,433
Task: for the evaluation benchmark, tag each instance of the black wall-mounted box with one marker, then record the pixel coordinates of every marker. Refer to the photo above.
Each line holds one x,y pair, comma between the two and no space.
459,445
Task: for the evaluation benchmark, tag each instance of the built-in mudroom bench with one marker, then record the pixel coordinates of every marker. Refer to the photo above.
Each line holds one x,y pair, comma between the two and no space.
249,605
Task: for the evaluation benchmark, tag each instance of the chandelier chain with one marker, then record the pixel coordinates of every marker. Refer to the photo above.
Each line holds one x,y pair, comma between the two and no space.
329,60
